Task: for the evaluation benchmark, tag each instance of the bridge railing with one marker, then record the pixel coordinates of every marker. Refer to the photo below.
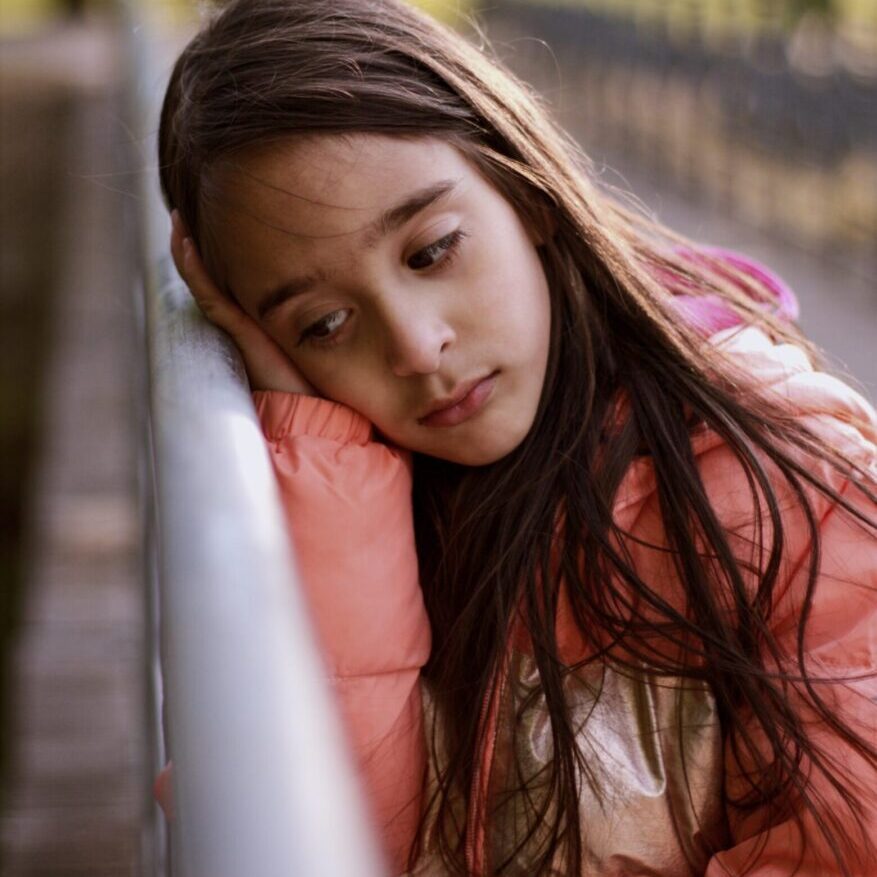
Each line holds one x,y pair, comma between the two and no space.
263,784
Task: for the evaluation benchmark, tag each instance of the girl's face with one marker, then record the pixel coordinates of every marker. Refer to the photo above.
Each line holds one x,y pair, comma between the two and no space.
399,282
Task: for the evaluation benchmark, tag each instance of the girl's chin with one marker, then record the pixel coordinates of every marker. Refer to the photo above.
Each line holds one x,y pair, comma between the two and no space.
471,452
464,453
467,444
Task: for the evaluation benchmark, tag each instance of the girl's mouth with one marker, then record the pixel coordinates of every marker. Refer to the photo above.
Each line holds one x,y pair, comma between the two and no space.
468,404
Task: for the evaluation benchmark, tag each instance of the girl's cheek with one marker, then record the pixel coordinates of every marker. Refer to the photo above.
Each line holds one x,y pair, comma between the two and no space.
344,380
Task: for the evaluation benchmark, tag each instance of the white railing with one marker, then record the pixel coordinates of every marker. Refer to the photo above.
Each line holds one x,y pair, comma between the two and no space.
263,783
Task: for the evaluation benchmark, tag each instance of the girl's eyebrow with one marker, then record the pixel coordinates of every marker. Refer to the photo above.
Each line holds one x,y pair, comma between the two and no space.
396,217
390,220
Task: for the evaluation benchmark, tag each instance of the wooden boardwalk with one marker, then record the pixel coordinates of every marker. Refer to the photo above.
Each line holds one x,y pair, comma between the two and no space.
77,796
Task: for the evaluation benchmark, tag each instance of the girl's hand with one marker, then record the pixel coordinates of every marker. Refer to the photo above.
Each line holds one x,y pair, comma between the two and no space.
268,367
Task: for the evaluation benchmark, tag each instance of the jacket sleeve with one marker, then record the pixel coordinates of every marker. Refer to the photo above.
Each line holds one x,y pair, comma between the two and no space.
840,643
347,500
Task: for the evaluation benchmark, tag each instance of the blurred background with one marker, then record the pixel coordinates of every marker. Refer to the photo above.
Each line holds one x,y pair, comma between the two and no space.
744,123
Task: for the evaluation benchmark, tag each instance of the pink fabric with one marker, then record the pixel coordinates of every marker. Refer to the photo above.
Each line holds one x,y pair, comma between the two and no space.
709,313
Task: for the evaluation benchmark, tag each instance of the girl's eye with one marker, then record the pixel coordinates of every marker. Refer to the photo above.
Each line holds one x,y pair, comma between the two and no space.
324,329
437,256
441,252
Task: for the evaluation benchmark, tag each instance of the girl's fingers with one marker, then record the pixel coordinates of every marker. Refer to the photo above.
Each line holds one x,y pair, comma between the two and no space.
268,366
215,305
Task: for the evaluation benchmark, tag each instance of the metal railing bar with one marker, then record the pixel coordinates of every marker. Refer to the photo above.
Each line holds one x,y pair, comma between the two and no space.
264,785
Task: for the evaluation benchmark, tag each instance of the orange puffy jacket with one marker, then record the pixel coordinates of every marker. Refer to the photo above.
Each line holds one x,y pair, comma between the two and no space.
654,746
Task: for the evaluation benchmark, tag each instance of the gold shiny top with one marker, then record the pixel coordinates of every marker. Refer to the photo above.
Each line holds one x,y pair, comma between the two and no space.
651,773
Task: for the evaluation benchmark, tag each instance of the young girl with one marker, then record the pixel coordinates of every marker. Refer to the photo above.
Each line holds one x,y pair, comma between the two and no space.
588,541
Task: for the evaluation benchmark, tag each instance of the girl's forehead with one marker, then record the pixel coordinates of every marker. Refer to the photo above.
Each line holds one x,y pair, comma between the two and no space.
334,183
317,203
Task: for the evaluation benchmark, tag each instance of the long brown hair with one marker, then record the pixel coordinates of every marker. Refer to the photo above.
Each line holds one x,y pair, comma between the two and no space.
488,538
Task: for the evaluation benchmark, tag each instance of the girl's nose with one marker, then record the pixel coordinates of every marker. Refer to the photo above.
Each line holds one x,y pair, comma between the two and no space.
416,343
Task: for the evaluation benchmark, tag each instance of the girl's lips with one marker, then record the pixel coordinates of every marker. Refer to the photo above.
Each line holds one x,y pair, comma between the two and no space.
470,404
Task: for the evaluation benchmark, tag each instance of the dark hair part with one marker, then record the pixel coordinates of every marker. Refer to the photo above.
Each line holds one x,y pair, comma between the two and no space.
265,70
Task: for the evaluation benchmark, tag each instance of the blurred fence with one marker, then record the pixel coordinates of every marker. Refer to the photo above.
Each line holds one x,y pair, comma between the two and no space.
820,34
774,116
